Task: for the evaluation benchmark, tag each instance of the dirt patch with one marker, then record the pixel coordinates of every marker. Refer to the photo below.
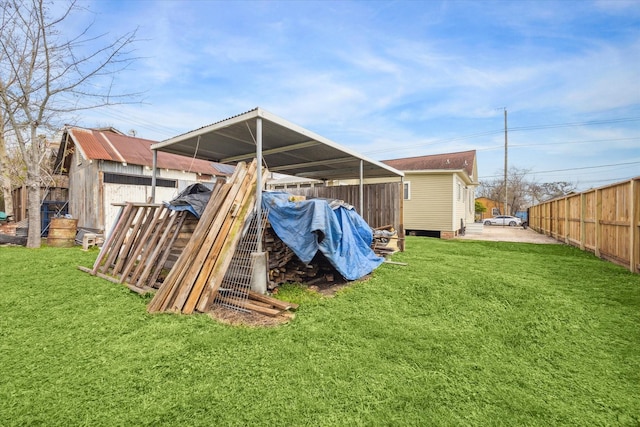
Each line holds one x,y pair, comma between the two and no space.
329,289
497,233
233,317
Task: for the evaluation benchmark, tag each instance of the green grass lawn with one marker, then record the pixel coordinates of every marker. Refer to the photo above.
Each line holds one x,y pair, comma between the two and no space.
468,333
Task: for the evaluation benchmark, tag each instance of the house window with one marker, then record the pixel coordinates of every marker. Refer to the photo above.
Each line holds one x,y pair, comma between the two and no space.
114,178
407,190
459,192
495,211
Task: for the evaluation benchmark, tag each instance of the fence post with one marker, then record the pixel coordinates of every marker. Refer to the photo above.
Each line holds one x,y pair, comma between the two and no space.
598,239
566,220
583,213
634,225
553,218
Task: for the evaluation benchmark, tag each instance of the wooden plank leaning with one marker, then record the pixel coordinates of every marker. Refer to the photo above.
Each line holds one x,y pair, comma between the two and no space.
188,261
208,252
153,278
115,232
163,296
117,242
226,253
201,232
141,242
131,240
156,230
159,246
214,253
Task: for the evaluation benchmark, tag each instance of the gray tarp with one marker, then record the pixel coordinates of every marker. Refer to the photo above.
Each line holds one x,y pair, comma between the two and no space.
194,199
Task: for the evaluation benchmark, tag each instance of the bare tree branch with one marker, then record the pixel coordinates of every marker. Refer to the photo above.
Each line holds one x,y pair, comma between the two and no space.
44,76
523,190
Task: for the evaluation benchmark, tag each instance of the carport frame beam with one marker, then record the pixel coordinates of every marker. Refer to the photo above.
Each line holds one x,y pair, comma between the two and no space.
259,183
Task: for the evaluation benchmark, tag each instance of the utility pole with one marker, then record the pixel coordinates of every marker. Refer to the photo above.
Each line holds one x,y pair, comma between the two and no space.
506,206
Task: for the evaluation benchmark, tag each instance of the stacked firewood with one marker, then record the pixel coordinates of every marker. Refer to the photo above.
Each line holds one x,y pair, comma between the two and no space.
193,282
286,267
385,240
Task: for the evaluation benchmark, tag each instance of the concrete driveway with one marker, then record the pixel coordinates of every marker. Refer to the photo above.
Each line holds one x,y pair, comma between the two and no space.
498,233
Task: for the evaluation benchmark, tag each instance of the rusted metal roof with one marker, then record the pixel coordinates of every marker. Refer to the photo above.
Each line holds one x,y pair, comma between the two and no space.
107,144
463,160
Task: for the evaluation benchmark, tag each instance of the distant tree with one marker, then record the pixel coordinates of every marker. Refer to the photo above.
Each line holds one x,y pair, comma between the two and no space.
12,171
45,77
5,174
522,190
480,208
518,187
551,190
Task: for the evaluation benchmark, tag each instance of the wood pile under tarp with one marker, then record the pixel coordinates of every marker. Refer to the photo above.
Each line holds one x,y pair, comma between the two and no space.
196,263
385,240
286,267
193,282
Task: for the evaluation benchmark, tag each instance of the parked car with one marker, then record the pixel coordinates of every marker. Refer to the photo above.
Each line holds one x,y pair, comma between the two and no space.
503,220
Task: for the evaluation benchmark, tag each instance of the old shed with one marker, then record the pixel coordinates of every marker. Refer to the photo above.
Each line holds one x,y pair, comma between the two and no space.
106,167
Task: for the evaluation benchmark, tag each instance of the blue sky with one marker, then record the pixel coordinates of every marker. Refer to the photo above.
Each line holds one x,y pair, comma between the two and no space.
394,79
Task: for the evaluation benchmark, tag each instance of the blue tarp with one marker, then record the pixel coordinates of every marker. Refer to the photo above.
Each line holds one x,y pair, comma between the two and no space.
312,225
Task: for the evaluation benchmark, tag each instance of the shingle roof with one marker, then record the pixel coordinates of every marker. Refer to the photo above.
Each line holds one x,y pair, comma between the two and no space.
449,161
107,144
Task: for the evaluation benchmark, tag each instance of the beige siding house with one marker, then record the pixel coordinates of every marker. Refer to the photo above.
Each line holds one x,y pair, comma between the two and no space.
439,192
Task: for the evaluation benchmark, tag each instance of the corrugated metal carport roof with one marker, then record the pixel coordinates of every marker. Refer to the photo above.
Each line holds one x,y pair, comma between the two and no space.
286,148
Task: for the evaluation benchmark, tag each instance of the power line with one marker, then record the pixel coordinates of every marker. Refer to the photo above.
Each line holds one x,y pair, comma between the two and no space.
440,141
589,123
170,131
496,147
132,120
511,129
573,169
624,178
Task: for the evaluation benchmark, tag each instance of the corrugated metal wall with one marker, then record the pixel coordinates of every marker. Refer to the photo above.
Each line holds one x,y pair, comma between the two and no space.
116,193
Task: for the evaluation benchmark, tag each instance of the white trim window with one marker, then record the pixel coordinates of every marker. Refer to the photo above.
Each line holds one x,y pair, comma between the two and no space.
406,190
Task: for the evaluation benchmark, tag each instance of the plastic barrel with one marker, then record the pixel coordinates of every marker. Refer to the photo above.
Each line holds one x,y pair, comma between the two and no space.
62,232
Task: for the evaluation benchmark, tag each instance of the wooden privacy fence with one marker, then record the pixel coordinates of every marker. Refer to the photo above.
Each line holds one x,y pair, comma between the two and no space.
605,221
382,203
